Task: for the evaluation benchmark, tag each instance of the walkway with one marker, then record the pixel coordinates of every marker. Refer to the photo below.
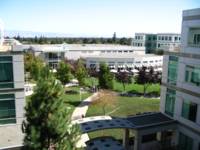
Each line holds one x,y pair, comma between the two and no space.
80,111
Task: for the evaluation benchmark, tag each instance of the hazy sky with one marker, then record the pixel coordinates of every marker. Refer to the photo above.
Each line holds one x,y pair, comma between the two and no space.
95,17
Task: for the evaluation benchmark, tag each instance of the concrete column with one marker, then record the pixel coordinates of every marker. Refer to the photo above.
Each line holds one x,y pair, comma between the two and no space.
175,138
137,141
159,136
126,139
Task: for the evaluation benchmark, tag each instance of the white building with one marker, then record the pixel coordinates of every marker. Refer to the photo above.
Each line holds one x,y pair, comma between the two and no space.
180,94
160,41
52,54
125,61
12,100
168,41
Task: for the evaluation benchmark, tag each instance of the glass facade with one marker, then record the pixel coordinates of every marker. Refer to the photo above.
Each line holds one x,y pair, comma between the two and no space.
189,111
192,75
172,69
185,142
170,102
7,109
6,72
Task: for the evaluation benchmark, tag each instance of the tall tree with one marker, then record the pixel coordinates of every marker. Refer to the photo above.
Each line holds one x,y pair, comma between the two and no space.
146,77
105,77
124,78
33,65
114,38
48,124
81,72
63,72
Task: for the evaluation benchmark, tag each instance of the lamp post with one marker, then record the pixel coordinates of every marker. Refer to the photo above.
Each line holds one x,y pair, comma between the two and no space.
80,93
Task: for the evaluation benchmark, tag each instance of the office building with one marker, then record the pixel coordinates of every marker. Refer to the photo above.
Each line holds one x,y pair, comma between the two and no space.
159,41
180,94
12,100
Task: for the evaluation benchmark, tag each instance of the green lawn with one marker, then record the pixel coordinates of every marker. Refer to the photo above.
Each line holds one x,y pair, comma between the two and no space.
72,100
123,106
133,87
136,88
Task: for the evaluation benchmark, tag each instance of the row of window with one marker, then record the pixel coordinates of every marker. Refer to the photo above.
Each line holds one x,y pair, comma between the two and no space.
169,38
189,109
137,62
124,51
192,73
138,44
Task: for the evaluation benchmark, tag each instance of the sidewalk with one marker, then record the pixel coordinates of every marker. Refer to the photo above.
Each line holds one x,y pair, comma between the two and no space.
80,111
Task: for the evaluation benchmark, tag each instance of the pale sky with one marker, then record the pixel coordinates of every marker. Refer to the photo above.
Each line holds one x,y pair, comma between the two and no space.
95,17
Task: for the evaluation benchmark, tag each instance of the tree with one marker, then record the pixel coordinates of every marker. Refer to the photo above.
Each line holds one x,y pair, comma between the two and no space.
105,77
48,124
114,38
104,99
124,78
63,72
81,72
146,77
33,65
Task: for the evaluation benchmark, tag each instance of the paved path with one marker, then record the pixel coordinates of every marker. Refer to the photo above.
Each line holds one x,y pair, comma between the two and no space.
80,111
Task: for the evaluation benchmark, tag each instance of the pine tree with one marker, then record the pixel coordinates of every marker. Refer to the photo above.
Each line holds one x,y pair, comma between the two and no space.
48,124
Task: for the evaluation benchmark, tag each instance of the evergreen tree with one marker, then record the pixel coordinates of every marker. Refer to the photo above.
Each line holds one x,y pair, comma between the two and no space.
81,72
105,77
48,124
63,72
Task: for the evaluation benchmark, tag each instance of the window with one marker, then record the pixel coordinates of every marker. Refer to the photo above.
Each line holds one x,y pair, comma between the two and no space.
172,69
189,111
145,62
130,51
185,142
6,72
166,38
125,51
162,38
149,138
170,38
192,75
119,51
7,109
170,101
196,39
175,38
151,61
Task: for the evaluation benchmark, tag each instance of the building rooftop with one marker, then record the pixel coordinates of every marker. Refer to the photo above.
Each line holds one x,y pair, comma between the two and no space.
149,119
91,124
65,47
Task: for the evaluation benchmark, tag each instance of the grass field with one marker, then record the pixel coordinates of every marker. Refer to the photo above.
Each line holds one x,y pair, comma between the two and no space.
72,100
124,106
133,87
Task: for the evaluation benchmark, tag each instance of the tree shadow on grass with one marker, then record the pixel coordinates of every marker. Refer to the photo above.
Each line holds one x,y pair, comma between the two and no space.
78,103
